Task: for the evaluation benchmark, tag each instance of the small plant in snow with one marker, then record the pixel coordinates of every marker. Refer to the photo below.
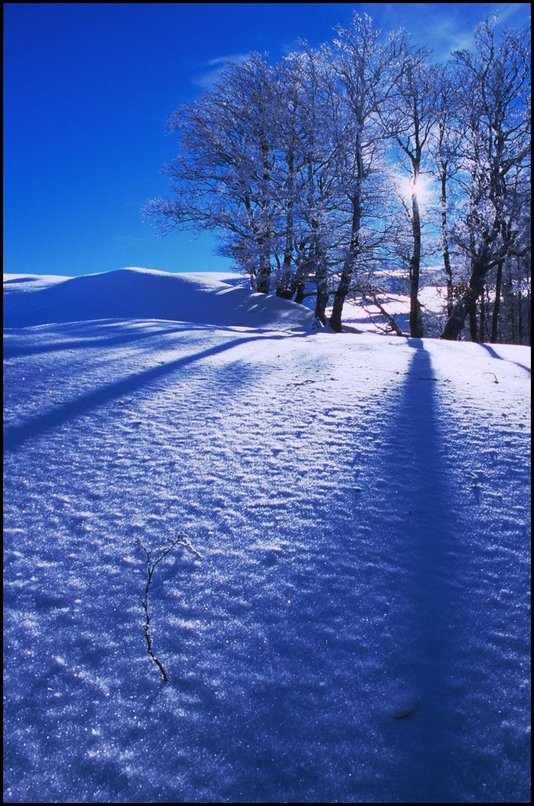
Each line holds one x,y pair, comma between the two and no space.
150,568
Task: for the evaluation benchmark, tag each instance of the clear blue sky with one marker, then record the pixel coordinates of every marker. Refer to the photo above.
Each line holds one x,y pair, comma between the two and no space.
88,88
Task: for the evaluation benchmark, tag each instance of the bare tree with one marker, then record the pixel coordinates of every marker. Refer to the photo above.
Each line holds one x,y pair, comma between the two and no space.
222,178
303,121
445,149
292,166
408,119
359,61
494,82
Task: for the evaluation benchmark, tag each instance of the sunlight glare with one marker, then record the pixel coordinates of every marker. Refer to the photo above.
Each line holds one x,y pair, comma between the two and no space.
408,187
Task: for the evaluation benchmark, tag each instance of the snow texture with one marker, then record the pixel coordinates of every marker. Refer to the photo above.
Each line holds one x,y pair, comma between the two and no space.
356,628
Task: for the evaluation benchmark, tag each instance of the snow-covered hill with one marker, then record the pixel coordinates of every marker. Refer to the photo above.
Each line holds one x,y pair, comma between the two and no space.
356,627
145,294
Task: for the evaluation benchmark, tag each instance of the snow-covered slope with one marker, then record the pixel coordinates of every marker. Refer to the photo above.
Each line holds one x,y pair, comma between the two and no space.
356,627
135,293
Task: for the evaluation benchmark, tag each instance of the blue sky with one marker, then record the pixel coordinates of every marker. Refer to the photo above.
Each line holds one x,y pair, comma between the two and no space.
88,88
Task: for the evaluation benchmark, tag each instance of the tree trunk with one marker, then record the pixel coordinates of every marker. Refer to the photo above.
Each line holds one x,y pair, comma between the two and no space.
387,316
285,286
497,304
465,305
322,292
416,322
445,243
321,279
299,293
285,280
339,297
473,325
349,264
520,319
482,321
263,278
300,282
285,292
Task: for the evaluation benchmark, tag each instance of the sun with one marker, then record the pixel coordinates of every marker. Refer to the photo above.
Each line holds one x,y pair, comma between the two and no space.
409,187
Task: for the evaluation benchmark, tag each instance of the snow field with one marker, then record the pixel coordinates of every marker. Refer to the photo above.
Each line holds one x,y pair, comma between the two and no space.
357,628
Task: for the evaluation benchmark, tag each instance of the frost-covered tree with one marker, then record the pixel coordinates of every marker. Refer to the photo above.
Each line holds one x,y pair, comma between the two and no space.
444,147
408,119
222,178
493,82
294,166
307,179
359,61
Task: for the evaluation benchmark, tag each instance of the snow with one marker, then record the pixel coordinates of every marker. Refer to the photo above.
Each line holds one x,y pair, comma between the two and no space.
367,317
146,294
356,628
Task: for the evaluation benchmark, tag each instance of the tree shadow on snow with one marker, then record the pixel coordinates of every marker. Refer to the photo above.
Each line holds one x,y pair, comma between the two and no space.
15,436
426,621
109,335
112,333
495,354
347,694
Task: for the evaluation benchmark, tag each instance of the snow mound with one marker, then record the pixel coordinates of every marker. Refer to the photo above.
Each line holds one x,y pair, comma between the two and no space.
134,293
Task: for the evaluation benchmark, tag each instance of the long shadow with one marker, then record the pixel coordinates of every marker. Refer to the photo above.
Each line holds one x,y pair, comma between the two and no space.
16,436
17,351
422,536
290,736
494,354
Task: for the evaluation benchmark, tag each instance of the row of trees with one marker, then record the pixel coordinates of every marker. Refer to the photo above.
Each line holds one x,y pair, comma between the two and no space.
335,168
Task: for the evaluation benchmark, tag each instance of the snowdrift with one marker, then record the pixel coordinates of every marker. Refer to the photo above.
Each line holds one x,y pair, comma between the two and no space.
135,293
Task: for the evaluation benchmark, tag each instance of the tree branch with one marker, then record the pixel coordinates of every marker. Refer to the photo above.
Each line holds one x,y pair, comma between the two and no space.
150,568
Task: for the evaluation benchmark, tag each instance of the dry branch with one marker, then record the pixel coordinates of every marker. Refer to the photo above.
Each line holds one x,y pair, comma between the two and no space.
150,568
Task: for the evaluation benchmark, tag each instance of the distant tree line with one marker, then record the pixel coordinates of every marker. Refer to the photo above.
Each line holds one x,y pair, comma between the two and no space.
338,168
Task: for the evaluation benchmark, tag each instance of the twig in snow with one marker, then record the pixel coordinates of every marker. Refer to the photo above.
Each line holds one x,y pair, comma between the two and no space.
150,568
492,373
